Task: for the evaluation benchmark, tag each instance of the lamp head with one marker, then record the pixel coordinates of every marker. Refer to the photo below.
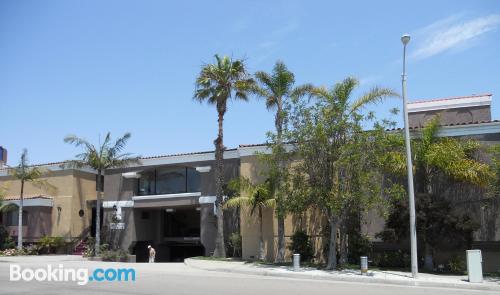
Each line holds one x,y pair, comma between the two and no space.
405,39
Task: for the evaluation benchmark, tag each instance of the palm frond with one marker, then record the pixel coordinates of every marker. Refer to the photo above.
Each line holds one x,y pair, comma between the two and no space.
375,95
237,202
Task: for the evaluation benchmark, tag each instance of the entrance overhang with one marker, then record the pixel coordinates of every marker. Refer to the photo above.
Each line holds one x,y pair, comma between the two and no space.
168,200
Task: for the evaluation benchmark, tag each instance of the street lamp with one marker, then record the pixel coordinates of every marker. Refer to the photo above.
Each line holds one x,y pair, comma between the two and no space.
413,227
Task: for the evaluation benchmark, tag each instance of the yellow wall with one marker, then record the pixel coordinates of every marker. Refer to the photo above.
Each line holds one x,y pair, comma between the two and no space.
312,222
71,189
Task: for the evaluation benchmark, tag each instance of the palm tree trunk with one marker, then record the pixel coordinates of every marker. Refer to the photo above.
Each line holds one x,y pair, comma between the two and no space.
220,249
20,218
261,236
98,214
280,210
332,249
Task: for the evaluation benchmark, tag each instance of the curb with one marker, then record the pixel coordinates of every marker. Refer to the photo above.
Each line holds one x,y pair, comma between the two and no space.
193,263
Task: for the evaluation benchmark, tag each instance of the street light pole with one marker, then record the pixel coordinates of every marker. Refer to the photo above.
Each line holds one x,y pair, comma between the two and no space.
413,227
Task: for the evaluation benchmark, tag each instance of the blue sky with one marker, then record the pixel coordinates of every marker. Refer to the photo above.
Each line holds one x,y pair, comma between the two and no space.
88,67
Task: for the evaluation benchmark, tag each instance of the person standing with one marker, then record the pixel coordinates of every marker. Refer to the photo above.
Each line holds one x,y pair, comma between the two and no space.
152,254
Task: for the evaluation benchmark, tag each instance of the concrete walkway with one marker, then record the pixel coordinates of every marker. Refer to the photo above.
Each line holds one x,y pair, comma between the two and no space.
379,277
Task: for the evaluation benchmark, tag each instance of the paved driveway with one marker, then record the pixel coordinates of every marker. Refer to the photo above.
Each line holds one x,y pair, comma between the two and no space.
176,278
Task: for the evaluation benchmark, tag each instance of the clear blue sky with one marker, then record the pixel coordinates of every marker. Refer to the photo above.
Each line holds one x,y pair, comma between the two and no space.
88,67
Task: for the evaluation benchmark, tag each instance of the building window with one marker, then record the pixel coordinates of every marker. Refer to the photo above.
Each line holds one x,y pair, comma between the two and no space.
169,180
12,218
147,183
102,183
193,180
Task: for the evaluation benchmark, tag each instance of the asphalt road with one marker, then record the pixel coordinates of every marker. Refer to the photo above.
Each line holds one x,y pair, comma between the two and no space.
176,278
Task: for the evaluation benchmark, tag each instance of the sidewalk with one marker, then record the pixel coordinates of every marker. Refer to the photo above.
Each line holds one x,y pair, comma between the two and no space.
378,277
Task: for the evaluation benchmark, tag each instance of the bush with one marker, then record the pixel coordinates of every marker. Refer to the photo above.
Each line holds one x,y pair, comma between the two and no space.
6,241
29,250
301,244
397,259
111,255
235,244
50,245
32,249
89,247
359,245
457,264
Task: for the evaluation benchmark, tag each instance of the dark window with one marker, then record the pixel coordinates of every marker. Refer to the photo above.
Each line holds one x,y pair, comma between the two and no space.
144,215
147,183
13,218
169,180
102,183
193,180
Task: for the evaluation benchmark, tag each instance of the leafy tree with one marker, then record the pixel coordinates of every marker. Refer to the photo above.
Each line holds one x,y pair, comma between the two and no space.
101,157
217,83
277,87
257,197
26,174
437,161
5,240
339,166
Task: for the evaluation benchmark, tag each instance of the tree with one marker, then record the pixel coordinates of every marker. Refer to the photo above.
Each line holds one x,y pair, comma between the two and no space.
217,83
339,163
101,157
258,197
24,173
438,162
276,88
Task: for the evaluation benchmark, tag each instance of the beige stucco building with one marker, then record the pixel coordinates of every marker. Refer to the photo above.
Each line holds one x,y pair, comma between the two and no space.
62,209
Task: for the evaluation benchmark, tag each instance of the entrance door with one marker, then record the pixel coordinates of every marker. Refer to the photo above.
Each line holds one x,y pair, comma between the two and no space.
92,226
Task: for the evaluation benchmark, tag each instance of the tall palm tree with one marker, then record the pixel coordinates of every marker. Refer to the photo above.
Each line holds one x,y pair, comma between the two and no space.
275,88
24,173
104,156
216,84
256,197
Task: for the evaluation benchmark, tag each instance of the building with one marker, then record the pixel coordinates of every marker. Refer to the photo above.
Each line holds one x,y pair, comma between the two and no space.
168,201
67,210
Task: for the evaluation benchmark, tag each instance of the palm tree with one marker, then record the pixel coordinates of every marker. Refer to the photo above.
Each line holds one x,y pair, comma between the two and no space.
435,158
275,88
24,173
104,156
216,84
256,197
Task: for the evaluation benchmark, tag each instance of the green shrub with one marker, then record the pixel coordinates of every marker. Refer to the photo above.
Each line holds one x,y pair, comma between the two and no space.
109,255
50,245
6,241
32,249
457,264
301,244
393,259
89,247
112,255
235,244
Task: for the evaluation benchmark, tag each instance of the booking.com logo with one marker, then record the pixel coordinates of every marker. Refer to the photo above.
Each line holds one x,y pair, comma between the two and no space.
79,275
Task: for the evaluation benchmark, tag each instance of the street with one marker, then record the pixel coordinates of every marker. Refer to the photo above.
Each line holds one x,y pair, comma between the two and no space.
176,278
